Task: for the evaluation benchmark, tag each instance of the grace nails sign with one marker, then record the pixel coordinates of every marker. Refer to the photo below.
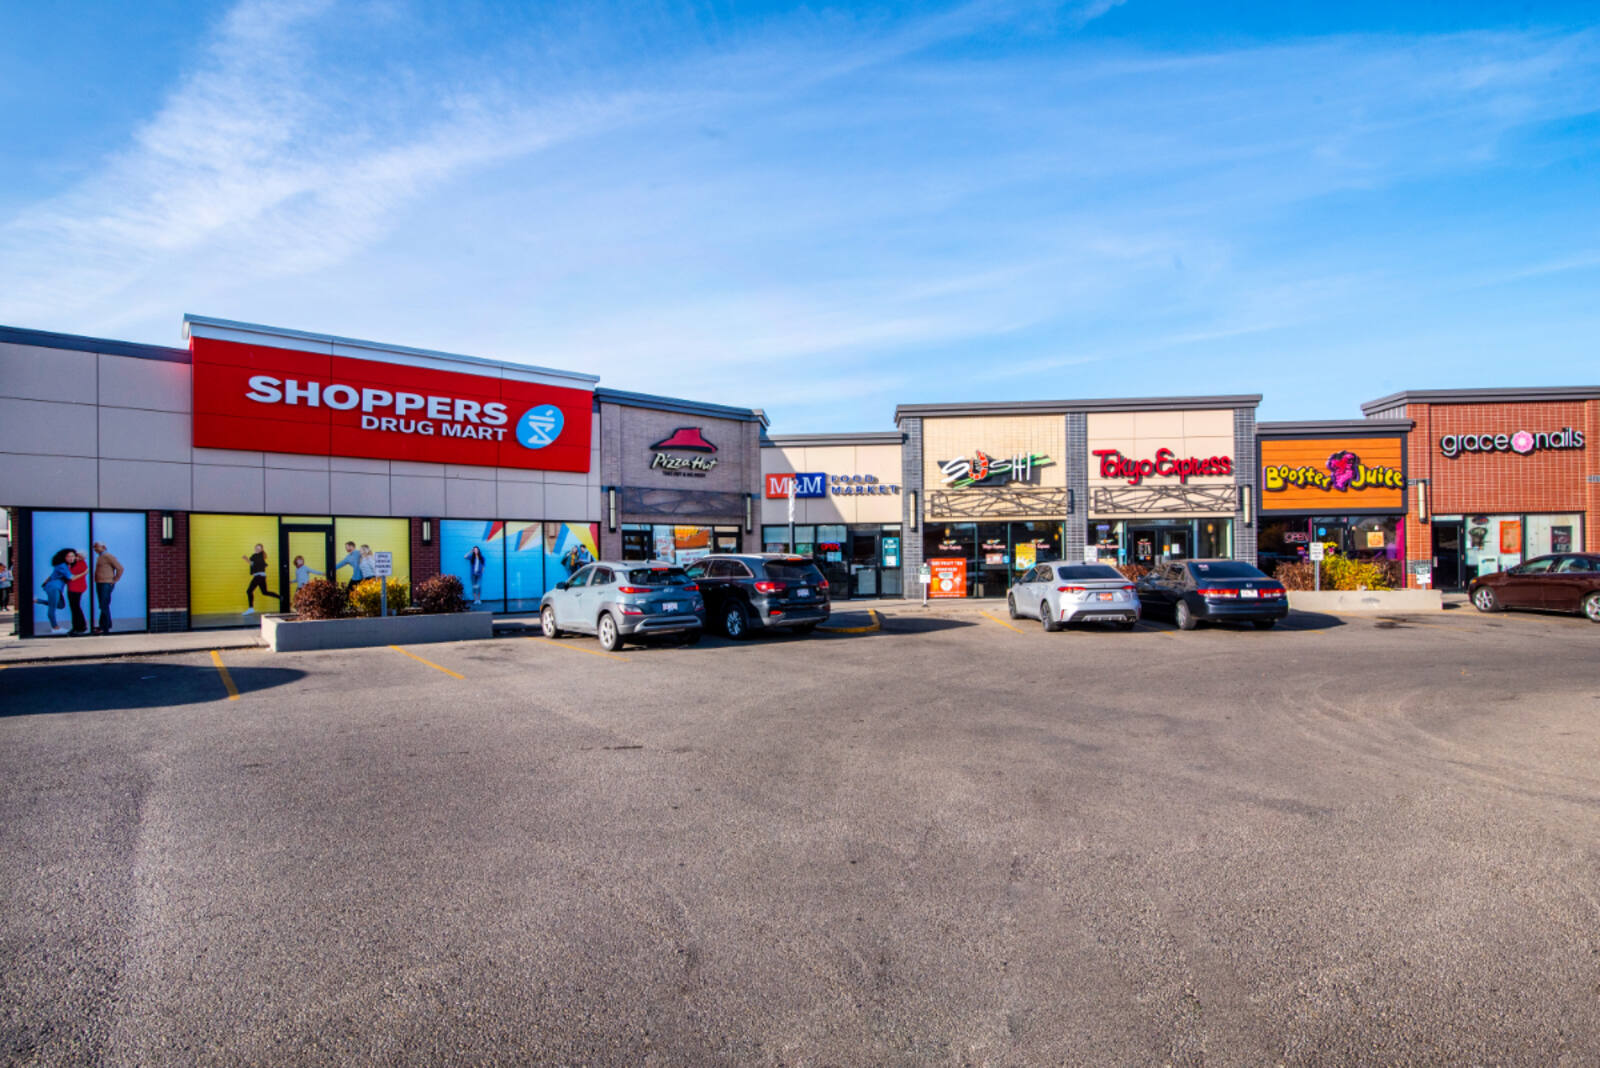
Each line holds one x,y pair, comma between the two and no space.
1522,442
983,470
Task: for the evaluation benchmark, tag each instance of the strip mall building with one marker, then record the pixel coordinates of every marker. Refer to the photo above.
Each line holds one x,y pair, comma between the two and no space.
224,474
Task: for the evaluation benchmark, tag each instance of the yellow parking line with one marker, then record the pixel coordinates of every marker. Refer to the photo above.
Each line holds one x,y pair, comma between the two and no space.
578,648
877,624
1000,621
227,679
430,663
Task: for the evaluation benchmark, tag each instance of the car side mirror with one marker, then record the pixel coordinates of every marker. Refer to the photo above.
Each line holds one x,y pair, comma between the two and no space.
561,585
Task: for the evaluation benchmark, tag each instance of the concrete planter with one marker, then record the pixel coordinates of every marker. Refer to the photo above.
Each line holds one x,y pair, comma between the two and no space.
1395,601
284,634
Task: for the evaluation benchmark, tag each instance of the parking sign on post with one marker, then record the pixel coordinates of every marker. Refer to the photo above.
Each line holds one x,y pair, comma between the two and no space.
383,567
1318,550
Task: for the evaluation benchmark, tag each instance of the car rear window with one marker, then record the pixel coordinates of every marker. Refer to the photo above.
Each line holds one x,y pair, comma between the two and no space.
1224,569
1088,571
794,571
658,576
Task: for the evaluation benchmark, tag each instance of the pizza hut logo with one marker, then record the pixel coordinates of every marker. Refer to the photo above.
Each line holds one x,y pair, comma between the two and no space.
684,439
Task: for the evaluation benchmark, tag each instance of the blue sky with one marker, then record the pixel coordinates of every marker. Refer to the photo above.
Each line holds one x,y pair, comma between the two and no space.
826,211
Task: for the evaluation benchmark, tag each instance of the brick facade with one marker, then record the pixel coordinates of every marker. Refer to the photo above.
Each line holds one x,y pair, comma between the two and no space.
424,557
168,569
1501,482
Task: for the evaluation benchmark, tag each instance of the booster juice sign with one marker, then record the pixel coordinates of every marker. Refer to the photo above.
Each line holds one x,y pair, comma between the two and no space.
266,399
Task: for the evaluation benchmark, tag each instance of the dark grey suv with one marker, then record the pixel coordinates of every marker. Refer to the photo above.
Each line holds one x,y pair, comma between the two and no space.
748,592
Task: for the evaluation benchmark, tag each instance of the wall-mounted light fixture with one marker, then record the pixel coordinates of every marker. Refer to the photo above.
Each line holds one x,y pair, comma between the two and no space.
749,512
1072,500
1422,500
916,508
168,522
611,509
427,532
1247,504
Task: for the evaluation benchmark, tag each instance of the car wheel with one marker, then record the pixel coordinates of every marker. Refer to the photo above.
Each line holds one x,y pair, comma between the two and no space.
735,623
1184,616
1591,607
1266,624
610,637
1047,617
1011,607
1484,600
547,623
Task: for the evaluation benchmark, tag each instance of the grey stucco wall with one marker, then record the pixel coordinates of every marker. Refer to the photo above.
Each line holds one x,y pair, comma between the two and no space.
95,430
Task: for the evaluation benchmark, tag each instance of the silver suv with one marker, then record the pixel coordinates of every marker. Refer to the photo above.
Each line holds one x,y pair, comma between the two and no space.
615,601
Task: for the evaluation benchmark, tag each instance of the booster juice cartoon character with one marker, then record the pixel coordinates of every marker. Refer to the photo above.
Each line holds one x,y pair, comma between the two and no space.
1345,466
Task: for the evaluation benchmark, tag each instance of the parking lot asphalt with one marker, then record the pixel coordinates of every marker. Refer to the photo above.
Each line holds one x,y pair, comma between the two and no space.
949,840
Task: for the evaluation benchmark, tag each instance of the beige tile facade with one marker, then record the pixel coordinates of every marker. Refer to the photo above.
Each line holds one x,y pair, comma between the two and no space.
881,462
1199,434
1001,437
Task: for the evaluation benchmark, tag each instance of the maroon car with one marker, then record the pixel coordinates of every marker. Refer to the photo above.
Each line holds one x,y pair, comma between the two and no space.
1565,582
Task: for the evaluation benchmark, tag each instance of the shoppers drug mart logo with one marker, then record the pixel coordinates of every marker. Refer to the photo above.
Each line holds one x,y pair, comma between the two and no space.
539,426
1522,442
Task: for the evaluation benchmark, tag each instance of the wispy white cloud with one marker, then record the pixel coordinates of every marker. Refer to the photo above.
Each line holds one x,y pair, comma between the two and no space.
818,193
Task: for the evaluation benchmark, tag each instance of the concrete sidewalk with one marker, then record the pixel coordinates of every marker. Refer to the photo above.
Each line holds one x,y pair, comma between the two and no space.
15,650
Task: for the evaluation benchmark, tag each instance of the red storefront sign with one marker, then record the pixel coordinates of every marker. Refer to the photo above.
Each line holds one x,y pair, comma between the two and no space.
266,399
949,577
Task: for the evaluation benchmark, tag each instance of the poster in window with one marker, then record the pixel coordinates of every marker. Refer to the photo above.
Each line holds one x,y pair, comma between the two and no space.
1561,539
1510,536
474,550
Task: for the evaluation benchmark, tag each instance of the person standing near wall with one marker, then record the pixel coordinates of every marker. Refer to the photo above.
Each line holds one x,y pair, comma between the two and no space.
108,571
76,588
474,560
5,586
352,560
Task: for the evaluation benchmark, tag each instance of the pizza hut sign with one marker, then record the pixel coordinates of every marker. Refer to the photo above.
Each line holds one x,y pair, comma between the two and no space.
685,439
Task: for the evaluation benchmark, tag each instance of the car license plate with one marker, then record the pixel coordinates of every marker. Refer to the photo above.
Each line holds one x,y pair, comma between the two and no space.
1249,593
803,591
669,606
1108,596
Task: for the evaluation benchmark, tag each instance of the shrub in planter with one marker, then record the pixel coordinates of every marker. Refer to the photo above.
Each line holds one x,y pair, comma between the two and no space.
319,599
1338,573
439,594
366,599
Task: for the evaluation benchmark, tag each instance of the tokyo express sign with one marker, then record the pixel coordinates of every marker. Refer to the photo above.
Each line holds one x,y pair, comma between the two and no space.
265,399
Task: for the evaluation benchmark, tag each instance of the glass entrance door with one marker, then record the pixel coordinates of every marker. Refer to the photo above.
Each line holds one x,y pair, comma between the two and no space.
305,552
1447,554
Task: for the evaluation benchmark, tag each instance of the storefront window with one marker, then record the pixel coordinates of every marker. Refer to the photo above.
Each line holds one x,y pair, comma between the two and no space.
991,550
1147,541
1034,542
371,536
775,538
679,544
474,552
636,541
223,586
1494,543
1554,534
123,535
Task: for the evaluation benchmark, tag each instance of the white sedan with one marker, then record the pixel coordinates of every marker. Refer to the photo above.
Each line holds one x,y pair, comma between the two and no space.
1059,593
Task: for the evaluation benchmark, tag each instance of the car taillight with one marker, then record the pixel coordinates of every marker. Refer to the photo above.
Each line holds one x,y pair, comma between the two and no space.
632,610
693,587
1130,589
1272,593
1218,593
770,587
633,589
822,585
1071,589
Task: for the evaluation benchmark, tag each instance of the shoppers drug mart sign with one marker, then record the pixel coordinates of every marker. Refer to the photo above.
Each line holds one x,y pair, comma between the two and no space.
265,399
